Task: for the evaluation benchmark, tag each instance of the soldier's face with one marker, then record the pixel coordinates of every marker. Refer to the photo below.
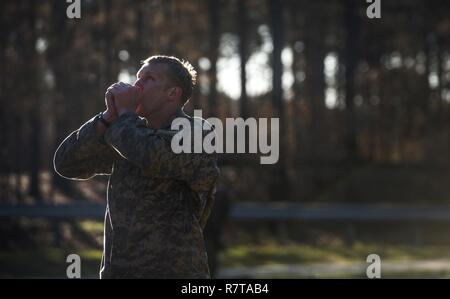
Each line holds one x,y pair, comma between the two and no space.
154,85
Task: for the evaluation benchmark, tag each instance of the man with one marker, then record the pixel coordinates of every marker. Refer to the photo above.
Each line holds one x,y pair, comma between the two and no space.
157,201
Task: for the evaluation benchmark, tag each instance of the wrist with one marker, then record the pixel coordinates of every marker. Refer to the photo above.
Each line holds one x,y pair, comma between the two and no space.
105,120
108,117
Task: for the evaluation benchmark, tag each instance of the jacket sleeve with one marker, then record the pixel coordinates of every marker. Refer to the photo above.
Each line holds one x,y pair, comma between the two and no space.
152,153
206,199
83,155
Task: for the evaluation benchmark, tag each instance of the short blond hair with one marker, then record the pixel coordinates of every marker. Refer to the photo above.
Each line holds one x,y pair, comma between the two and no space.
180,72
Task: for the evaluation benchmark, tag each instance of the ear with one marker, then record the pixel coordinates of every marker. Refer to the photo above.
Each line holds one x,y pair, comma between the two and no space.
175,93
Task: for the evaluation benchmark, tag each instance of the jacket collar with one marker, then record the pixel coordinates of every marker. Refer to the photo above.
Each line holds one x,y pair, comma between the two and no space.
179,113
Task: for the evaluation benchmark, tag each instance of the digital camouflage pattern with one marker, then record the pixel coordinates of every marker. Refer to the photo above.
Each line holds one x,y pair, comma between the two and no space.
158,202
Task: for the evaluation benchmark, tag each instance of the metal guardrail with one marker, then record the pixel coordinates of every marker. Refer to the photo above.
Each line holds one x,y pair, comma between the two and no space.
82,211
350,212
259,211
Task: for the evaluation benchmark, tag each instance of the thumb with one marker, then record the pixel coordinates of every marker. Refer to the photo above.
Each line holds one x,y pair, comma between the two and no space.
110,98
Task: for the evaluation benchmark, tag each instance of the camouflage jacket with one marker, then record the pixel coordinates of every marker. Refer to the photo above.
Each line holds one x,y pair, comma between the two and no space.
157,201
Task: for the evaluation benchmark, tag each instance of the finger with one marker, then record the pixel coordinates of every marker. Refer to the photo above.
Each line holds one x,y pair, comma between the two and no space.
112,104
128,85
117,88
109,97
112,85
120,85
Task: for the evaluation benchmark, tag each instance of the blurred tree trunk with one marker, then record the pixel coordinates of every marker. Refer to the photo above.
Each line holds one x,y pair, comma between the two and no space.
12,20
350,59
277,35
296,26
110,71
280,188
5,136
15,16
426,104
214,40
18,158
243,54
169,46
440,98
59,41
315,78
138,48
34,96
35,190
426,32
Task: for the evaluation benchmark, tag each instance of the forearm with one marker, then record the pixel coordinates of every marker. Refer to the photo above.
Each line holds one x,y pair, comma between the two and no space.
138,144
106,120
151,150
83,153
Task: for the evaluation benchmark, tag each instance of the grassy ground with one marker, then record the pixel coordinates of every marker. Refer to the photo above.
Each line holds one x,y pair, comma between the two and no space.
334,261
31,256
50,261
254,255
